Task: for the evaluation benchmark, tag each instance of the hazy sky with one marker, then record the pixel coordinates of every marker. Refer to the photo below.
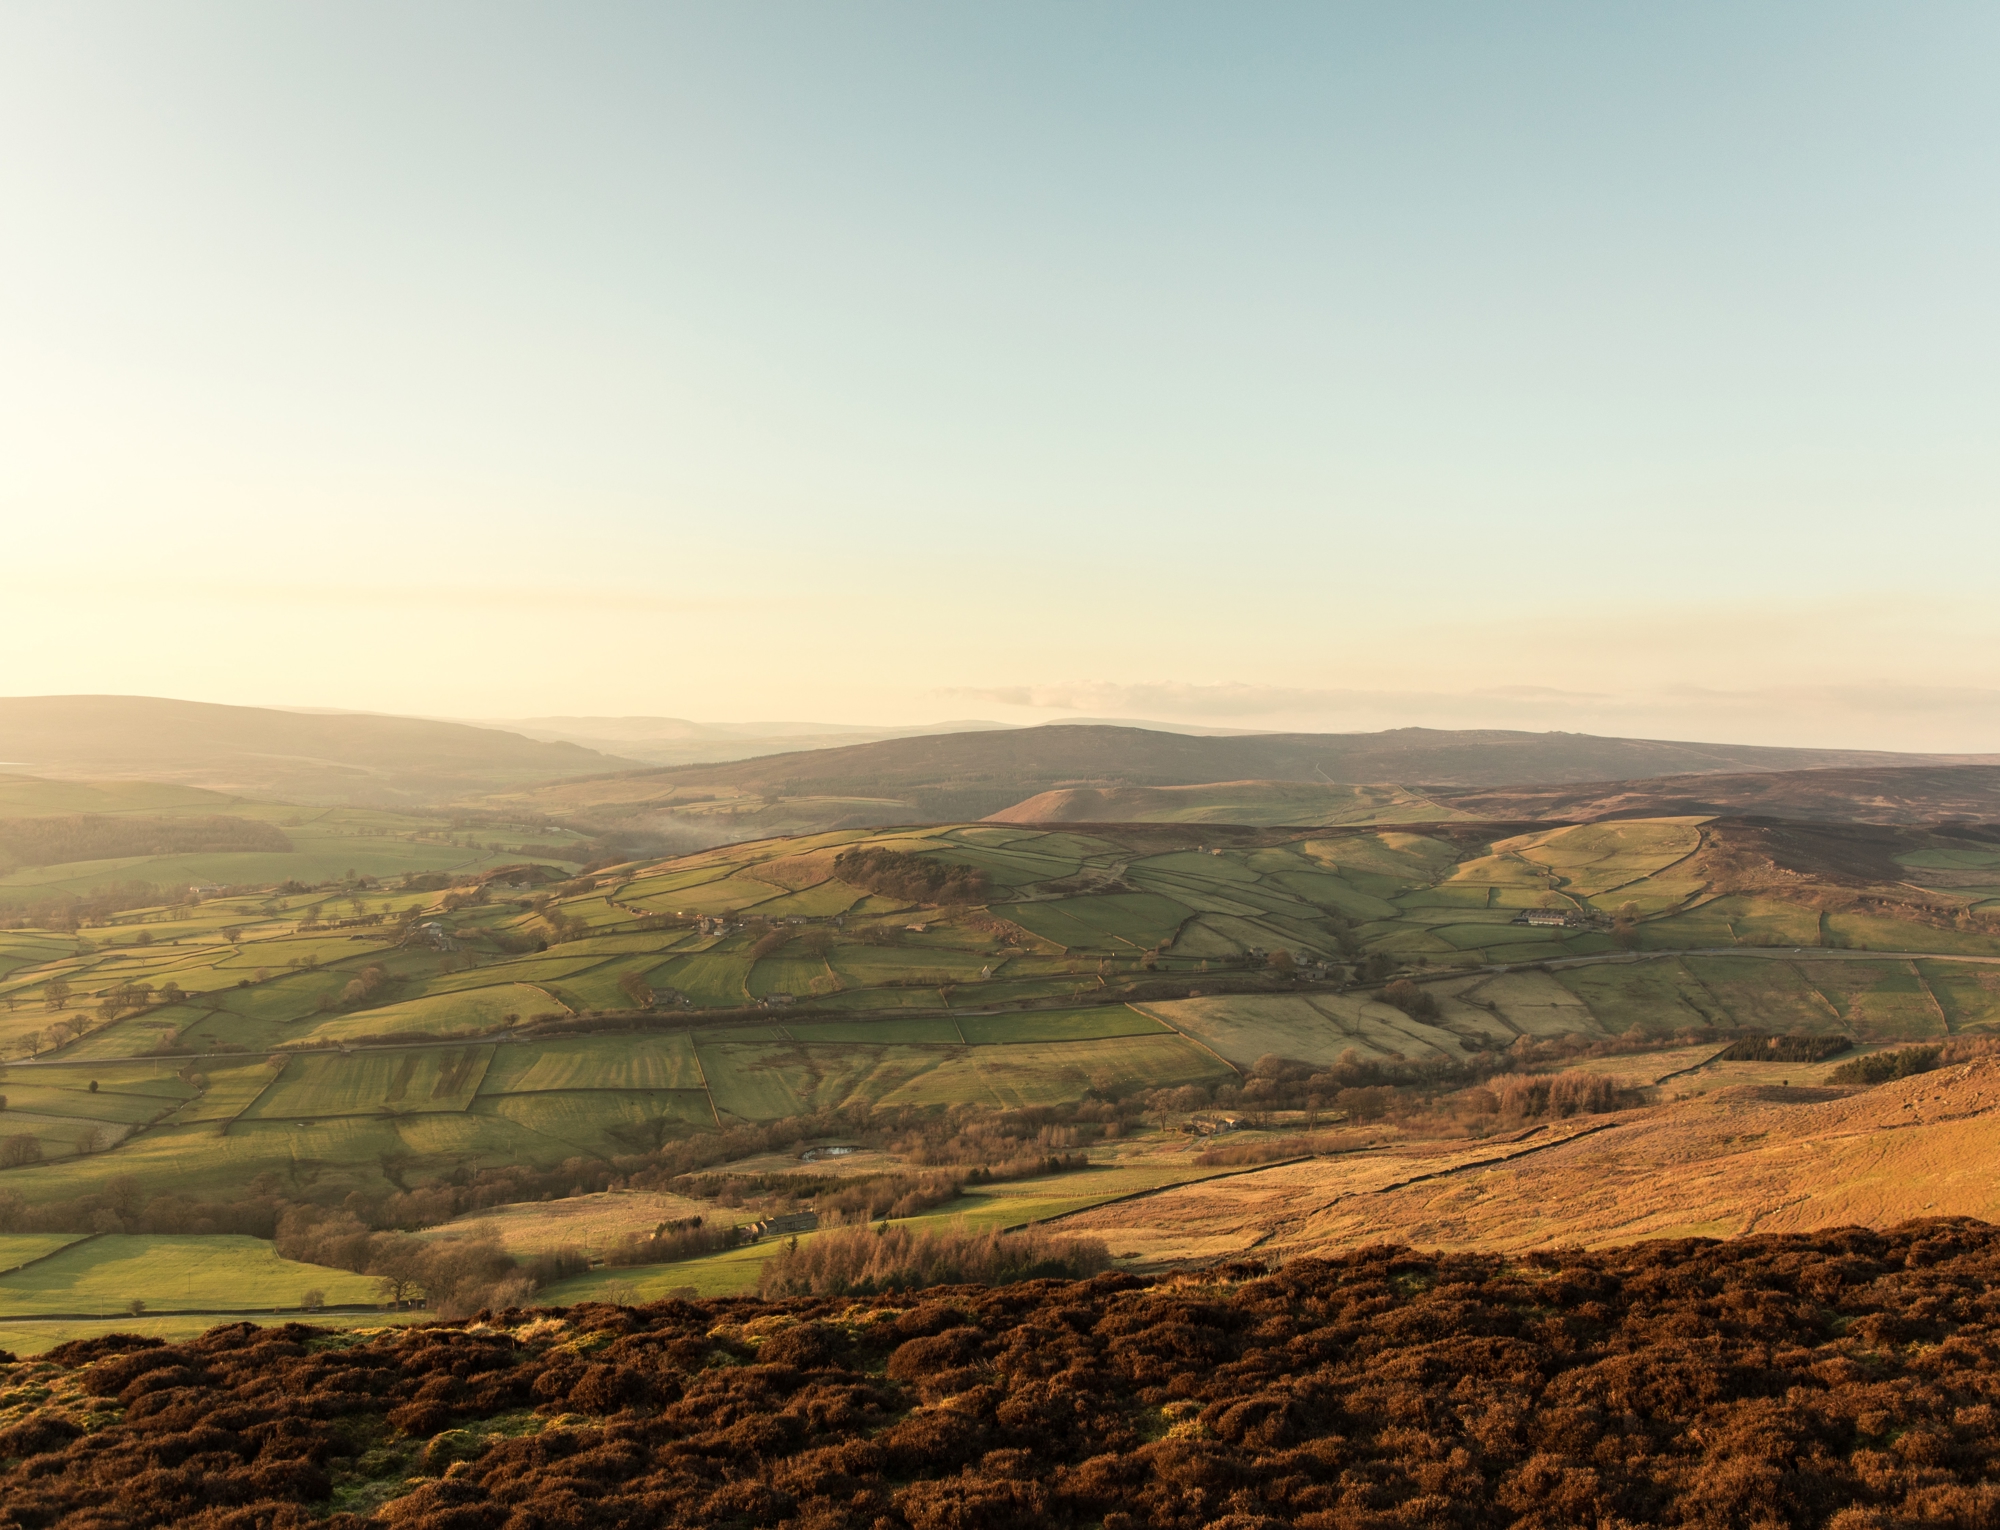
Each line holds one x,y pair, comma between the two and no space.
1617,367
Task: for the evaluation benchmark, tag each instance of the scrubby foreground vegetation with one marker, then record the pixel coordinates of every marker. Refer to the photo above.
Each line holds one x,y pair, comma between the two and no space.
1848,1378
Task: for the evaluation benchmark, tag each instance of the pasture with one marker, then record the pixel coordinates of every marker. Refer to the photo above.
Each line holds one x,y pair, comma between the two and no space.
281,1031
104,1274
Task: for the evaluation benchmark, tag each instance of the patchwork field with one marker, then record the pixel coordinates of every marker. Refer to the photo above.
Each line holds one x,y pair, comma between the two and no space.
291,1032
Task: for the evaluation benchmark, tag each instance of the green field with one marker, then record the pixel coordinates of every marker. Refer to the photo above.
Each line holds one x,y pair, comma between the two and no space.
292,1038
104,1274
388,1082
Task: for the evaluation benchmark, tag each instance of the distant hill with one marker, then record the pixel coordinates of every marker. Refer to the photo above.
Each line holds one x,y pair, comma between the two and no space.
1232,802
964,776
678,741
340,757
1908,793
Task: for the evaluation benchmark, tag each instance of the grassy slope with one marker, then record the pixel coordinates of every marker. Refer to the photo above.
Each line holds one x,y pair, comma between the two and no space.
929,1015
214,1272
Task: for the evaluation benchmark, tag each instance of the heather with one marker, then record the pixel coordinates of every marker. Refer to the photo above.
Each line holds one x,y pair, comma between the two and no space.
1848,1378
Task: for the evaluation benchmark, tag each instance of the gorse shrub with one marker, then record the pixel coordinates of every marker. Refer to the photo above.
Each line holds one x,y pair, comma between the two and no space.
858,1260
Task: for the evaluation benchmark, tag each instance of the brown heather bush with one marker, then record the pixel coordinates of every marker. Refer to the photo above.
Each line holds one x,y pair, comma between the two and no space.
1846,1379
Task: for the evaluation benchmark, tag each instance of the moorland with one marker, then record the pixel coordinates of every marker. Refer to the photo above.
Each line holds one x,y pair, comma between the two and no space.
1844,1378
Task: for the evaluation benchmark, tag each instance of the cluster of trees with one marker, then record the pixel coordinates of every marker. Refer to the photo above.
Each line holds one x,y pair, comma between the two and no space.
1370,1087
365,987
682,1238
867,1197
1418,1003
1798,1049
96,837
913,878
453,1276
1843,1379
1529,1097
858,1261
68,912
1903,1062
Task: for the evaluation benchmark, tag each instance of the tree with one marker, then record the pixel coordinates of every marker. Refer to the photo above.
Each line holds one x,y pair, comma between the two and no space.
1625,925
56,992
1411,1000
313,1300
398,1264
19,1150
136,1307
92,1140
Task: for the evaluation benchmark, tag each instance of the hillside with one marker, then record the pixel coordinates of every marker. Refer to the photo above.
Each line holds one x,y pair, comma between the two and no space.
679,741
85,850
1841,1379
353,758
1742,1159
962,774
1093,770
1880,794
368,1032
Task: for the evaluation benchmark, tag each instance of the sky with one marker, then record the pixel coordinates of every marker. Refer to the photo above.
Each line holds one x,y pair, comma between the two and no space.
1618,368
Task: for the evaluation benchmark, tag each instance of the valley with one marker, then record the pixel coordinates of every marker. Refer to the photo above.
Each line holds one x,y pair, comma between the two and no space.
439,1019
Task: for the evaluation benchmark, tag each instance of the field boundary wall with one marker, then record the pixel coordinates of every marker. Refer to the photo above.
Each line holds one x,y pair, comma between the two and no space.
64,1249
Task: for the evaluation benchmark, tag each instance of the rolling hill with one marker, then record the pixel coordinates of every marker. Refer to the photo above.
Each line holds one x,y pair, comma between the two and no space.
963,775
679,741
1906,793
300,757
1093,773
